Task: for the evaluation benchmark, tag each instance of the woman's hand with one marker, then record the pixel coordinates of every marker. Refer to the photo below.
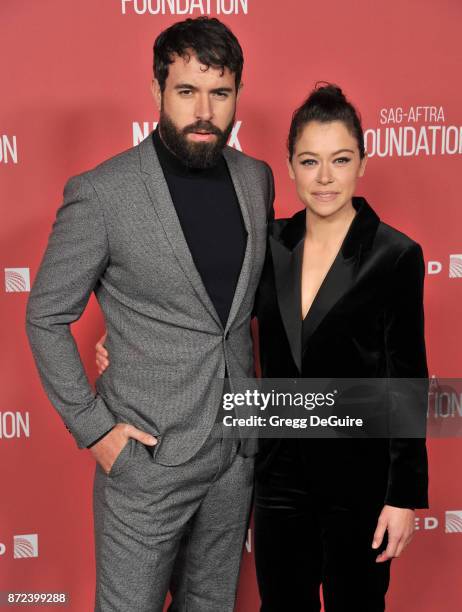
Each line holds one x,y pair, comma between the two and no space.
400,524
102,356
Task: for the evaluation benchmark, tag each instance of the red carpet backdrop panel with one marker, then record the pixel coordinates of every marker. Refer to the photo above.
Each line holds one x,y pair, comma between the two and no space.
75,80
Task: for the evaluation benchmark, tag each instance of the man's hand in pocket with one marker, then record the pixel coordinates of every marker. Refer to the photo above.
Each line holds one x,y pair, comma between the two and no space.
106,450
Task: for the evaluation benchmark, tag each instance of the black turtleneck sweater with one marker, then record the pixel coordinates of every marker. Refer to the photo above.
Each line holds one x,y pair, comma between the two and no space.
210,217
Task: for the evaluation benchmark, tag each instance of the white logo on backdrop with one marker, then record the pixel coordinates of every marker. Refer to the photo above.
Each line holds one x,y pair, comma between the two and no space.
454,268
444,403
184,7
8,149
413,132
426,523
453,521
17,279
140,131
14,425
25,546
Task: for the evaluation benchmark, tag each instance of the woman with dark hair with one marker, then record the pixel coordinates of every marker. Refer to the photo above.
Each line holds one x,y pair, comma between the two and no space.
341,295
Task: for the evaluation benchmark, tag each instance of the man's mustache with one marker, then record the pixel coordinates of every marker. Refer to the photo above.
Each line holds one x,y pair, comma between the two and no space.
202,126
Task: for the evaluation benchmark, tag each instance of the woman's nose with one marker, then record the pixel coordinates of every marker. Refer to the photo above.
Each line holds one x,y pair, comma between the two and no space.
324,175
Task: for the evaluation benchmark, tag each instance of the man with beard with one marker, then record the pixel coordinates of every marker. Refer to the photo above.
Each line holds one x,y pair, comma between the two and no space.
170,236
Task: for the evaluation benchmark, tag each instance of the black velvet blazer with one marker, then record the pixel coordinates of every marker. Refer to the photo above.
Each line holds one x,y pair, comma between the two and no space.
366,321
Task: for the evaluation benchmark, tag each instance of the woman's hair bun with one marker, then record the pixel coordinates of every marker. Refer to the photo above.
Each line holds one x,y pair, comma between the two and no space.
326,91
326,103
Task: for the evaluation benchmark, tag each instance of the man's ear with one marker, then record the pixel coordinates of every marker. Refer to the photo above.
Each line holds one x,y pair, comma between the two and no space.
239,89
156,93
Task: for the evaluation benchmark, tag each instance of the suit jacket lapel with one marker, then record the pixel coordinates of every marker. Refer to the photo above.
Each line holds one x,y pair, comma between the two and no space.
243,196
162,205
343,273
287,255
335,285
287,265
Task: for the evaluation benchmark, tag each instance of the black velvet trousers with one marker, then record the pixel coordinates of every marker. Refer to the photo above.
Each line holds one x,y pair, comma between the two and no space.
305,539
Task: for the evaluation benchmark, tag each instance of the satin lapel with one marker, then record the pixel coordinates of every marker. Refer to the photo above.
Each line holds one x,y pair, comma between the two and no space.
336,284
287,267
243,197
343,272
159,194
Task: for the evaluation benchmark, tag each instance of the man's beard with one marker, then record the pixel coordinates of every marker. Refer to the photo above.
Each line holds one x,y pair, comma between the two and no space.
194,154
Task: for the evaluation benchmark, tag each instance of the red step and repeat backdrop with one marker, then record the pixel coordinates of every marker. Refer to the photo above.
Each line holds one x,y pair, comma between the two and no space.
75,82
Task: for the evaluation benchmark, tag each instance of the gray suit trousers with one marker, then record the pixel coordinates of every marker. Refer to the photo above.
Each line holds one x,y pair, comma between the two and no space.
179,528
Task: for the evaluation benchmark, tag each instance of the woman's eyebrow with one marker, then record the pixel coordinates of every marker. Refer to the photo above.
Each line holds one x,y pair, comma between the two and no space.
332,154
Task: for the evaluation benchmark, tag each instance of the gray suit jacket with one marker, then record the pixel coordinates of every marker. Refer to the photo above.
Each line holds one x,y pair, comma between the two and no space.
117,234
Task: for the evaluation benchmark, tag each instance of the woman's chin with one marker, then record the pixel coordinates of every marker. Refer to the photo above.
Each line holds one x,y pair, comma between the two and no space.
328,209
324,210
